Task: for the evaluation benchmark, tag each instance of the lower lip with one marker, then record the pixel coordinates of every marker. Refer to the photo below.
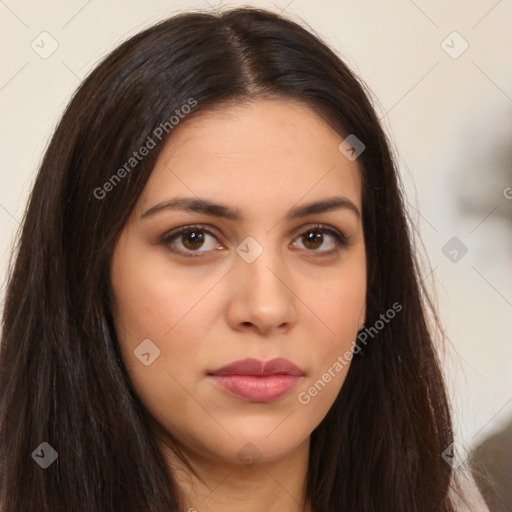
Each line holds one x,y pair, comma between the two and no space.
256,389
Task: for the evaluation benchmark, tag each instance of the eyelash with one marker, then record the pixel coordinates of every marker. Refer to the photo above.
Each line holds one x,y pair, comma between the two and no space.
340,240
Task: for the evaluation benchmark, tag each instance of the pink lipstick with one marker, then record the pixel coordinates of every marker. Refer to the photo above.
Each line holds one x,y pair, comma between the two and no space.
257,381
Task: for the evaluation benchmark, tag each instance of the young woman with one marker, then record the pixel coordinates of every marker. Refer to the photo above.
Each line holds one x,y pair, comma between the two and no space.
215,303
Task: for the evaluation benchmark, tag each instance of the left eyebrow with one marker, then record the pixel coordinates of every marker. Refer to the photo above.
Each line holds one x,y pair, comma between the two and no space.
204,206
325,205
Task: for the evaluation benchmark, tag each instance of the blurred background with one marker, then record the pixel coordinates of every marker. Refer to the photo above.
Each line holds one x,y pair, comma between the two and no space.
440,75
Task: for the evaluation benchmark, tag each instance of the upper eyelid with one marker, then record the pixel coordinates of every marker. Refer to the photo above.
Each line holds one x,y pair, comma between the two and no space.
211,231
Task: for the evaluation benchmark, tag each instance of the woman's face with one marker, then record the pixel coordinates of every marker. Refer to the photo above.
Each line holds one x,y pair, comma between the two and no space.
262,275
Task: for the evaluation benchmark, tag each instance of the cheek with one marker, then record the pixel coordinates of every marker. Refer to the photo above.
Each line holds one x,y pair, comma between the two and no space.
166,306
339,302
343,306
143,312
151,298
158,310
339,307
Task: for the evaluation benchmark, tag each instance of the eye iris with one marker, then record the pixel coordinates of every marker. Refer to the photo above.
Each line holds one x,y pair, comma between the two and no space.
196,239
314,238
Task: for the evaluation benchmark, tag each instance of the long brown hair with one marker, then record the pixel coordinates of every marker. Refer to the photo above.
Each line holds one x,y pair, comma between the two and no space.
62,380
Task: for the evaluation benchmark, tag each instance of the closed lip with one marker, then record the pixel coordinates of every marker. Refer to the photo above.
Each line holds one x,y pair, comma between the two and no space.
258,368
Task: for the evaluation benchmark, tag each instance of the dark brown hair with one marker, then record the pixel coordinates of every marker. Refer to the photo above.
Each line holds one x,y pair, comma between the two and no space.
62,380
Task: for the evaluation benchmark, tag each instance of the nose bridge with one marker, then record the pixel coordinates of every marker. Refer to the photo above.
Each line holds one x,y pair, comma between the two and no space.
261,267
261,278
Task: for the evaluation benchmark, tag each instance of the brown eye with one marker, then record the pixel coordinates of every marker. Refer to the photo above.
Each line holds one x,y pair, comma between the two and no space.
313,239
189,240
321,239
192,239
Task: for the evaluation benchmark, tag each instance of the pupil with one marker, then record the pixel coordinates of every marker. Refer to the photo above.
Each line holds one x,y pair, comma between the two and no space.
195,237
314,237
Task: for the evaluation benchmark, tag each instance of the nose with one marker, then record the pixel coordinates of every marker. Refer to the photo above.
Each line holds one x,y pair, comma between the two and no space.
261,296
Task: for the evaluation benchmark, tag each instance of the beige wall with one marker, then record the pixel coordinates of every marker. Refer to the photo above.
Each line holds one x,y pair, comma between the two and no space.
449,118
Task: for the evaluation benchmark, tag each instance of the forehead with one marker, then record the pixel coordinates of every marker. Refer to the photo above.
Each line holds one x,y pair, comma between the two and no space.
266,152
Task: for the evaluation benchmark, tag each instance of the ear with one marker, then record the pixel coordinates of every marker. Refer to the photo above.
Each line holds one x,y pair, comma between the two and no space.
362,318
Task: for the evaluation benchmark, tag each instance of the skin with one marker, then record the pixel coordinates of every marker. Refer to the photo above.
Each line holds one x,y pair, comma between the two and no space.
294,300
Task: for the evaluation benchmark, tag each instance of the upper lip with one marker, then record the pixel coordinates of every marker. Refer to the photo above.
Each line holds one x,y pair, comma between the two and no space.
277,366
